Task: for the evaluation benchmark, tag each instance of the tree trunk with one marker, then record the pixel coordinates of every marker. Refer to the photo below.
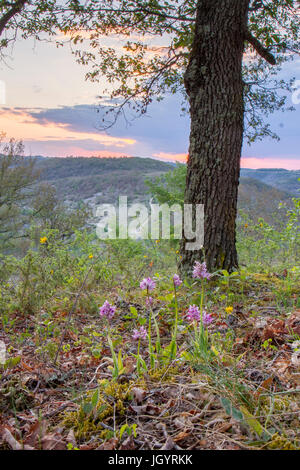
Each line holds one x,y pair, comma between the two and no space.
213,81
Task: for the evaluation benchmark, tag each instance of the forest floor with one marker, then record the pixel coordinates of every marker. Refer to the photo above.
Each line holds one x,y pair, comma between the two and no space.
245,397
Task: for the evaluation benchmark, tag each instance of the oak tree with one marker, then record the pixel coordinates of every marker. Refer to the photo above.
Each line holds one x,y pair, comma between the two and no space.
223,55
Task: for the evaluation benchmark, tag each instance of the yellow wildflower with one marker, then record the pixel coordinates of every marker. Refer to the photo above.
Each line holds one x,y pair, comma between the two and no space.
91,256
43,240
229,309
246,225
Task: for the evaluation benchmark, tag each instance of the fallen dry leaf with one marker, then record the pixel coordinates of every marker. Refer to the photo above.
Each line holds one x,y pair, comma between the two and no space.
293,323
183,422
111,444
295,359
35,433
169,444
128,444
146,409
265,385
274,330
71,438
139,394
180,436
53,441
12,442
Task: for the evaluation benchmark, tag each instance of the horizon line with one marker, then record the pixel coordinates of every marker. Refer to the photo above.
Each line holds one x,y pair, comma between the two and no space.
171,161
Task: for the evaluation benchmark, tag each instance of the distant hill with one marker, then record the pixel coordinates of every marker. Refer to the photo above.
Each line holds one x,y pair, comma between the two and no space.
284,180
55,168
258,199
82,178
102,180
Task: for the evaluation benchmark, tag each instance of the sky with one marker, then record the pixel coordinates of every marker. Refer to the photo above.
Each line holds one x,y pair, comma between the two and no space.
49,105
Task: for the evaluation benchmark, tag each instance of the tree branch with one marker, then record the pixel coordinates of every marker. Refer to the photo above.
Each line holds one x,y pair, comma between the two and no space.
16,8
260,49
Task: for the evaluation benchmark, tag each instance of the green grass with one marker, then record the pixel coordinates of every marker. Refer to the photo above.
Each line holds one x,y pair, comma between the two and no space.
237,389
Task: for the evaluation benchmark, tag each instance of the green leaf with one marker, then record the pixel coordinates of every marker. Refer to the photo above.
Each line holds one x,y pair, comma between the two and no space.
186,355
143,364
252,421
123,429
120,362
12,362
87,408
133,427
134,312
101,409
117,341
231,410
95,398
122,371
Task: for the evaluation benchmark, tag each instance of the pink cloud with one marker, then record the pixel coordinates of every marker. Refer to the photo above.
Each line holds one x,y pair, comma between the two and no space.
48,149
246,162
286,163
22,126
178,157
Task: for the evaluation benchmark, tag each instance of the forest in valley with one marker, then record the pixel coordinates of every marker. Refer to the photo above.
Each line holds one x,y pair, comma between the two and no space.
129,343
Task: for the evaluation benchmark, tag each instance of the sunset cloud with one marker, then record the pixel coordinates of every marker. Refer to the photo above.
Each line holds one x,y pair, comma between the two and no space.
250,162
254,163
62,129
44,135
24,126
162,134
55,111
177,157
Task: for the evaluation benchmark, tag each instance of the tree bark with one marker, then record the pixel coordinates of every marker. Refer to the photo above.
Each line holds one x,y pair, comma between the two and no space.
213,81
14,10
